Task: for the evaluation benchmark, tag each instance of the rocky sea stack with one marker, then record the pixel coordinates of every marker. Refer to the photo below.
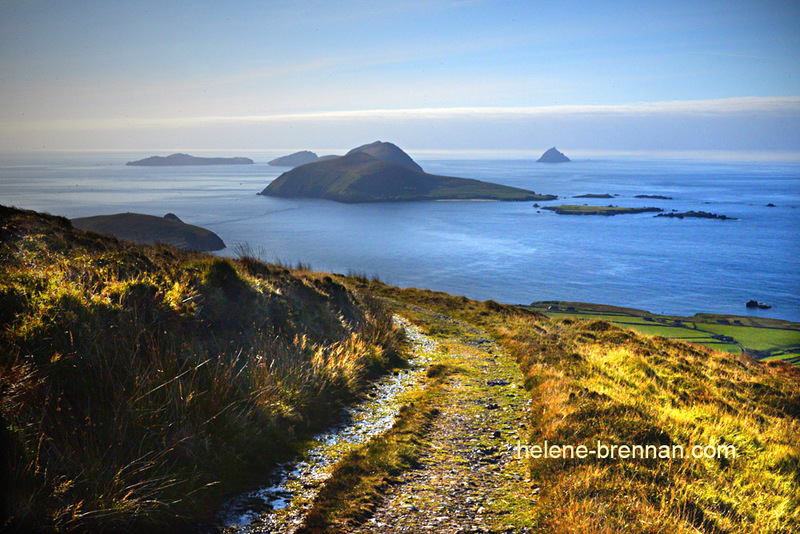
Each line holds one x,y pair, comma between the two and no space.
553,156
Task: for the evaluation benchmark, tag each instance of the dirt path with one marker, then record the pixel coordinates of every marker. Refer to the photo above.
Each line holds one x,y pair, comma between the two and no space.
468,478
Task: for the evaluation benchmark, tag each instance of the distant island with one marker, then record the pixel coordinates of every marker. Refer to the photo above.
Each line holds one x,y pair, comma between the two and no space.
696,215
151,229
294,160
598,210
553,156
657,197
186,159
593,195
382,172
299,158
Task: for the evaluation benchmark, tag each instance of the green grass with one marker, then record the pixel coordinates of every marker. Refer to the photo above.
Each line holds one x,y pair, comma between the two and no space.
590,381
762,337
139,385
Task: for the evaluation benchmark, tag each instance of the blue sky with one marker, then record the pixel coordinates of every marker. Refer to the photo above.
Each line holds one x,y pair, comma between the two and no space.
425,74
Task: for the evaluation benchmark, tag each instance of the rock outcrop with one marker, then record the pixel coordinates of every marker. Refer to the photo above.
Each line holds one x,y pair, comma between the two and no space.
552,155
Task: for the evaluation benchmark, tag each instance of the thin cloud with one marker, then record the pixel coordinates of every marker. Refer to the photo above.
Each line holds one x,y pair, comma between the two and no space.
686,108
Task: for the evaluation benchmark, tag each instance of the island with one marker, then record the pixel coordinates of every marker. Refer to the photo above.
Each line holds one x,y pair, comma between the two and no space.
388,152
757,304
696,215
656,197
294,160
552,155
186,159
382,172
594,195
598,210
150,229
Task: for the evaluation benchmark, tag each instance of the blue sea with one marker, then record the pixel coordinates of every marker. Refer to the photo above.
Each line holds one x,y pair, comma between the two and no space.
507,251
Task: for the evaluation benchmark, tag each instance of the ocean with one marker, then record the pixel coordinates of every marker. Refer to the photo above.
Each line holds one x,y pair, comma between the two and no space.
511,252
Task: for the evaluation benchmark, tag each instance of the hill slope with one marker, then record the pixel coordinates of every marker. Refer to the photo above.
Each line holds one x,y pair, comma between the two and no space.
150,229
359,177
139,385
388,152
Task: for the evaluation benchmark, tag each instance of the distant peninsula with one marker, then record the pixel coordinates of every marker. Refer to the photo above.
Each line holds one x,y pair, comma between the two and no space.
186,159
382,172
151,229
553,156
598,210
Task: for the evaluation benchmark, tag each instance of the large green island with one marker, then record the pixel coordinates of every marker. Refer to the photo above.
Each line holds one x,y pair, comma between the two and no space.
382,172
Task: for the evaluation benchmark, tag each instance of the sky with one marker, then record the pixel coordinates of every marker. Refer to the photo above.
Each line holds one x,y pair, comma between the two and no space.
427,75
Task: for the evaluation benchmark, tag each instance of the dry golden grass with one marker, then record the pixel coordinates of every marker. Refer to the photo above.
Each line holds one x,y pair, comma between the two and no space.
138,385
592,381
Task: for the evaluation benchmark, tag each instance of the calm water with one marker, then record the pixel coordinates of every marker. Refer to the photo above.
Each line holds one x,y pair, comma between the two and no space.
510,252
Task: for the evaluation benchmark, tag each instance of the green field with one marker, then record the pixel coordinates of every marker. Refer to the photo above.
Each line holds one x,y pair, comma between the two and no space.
766,339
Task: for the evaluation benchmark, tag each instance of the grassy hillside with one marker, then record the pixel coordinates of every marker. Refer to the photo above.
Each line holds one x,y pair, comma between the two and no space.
388,152
359,177
591,381
140,384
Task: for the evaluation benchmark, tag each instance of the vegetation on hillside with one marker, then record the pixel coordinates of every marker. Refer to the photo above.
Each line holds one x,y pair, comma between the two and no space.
141,384
592,382
359,177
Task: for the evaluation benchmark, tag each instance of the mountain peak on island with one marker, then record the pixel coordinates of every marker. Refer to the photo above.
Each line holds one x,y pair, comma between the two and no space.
186,159
388,152
361,176
553,156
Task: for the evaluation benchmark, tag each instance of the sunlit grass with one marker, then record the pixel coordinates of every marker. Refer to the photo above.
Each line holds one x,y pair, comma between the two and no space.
140,384
590,381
